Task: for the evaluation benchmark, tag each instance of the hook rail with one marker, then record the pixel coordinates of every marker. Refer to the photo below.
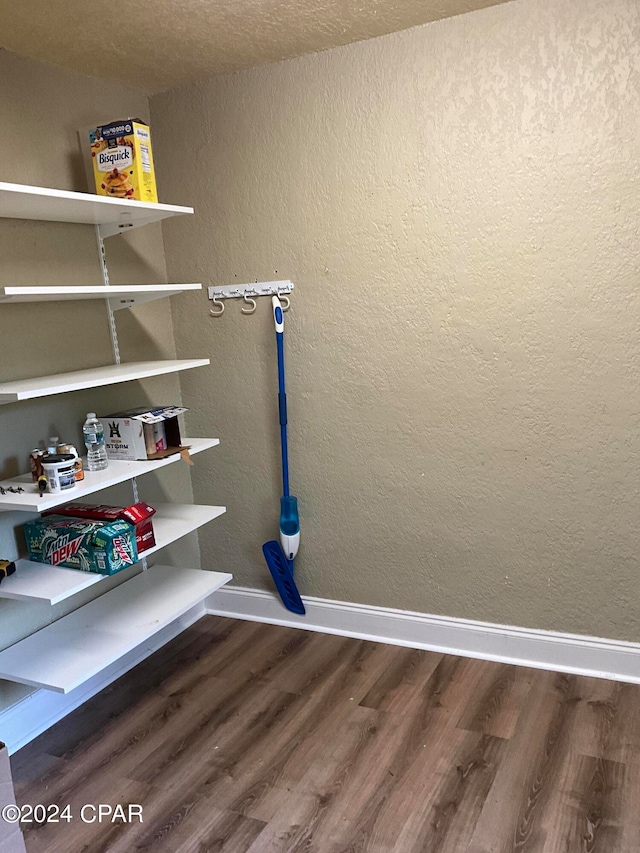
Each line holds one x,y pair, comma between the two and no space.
257,288
249,293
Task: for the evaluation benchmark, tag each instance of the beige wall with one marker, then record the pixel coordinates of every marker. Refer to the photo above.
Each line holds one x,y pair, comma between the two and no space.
41,109
458,207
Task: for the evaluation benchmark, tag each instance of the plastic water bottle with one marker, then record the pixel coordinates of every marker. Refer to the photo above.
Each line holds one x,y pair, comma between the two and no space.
93,432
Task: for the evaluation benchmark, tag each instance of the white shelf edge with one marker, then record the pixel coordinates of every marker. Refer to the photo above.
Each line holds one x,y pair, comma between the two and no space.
96,377
73,649
45,583
94,481
119,295
20,201
52,584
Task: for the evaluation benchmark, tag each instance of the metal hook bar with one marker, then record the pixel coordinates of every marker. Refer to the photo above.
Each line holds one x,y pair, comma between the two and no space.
217,301
253,288
249,293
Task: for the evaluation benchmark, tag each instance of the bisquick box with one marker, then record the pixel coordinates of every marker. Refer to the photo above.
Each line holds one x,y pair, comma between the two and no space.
104,547
143,433
140,515
122,160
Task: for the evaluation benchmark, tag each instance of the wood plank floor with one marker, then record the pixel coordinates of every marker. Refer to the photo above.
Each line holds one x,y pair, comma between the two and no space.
249,738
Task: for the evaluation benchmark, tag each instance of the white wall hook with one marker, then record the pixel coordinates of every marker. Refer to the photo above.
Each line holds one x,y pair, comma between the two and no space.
285,302
247,298
217,301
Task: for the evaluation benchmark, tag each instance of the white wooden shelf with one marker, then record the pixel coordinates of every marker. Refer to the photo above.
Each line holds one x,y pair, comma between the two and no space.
94,481
173,521
19,201
95,377
43,582
119,295
72,650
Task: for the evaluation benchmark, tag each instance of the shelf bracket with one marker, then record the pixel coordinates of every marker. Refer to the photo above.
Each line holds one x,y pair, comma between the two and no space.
111,229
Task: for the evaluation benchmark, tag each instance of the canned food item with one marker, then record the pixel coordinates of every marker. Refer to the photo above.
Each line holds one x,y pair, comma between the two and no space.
155,438
78,468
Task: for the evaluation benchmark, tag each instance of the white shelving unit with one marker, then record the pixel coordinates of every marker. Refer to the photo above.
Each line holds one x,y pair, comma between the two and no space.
68,652
119,295
95,377
43,582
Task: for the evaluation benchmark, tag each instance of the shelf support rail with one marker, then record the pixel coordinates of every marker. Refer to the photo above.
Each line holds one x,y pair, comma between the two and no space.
104,269
136,499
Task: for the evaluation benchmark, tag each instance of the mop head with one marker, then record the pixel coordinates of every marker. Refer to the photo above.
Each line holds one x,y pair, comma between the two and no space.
282,573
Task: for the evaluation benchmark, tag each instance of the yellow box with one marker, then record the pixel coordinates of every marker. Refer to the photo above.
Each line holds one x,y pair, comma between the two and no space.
123,161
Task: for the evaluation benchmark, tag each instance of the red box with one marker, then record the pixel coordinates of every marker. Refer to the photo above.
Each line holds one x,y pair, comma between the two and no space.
139,515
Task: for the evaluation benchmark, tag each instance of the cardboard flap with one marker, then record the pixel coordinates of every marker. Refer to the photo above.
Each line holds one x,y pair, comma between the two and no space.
156,416
170,451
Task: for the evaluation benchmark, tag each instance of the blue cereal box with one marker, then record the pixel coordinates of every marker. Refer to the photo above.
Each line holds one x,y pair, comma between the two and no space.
104,547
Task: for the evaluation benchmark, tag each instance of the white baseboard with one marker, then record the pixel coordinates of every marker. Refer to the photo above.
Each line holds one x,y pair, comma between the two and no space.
37,712
572,653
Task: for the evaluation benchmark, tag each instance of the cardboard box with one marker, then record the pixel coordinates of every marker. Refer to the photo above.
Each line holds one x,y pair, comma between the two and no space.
143,433
104,547
11,840
139,515
122,160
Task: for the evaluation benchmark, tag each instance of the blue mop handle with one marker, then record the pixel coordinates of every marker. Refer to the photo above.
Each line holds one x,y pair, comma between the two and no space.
282,395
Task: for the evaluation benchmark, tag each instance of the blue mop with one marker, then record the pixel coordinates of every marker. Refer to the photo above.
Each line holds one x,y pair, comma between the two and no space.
280,555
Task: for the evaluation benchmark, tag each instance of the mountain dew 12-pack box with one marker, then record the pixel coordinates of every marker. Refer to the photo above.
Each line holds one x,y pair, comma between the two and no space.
105,547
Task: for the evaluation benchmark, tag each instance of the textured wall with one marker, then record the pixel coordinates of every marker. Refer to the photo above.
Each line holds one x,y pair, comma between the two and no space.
458,207
40,111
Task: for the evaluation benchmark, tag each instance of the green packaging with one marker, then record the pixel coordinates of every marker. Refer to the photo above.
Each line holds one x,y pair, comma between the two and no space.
104,547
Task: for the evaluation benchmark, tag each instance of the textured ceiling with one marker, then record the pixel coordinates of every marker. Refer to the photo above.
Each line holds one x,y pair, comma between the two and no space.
159,44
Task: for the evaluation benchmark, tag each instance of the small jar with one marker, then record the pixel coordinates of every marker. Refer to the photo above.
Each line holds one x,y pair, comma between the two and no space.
59,469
